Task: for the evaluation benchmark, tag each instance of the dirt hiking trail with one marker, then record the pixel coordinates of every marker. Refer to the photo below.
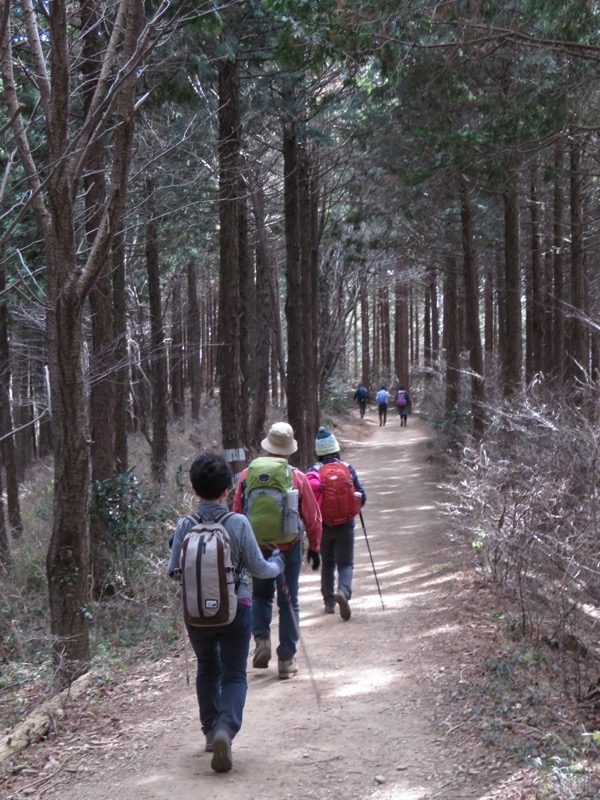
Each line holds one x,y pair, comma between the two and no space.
386,719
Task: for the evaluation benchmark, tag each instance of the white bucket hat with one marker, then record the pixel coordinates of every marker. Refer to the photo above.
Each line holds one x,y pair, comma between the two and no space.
280,440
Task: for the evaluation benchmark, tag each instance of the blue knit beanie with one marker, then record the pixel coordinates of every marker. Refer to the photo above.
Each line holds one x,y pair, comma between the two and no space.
326,444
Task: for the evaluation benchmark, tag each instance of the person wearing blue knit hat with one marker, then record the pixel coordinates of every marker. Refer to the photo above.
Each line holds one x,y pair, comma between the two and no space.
340,497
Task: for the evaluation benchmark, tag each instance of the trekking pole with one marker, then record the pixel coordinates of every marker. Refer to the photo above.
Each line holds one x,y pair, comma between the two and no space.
185,656
371,557
286,592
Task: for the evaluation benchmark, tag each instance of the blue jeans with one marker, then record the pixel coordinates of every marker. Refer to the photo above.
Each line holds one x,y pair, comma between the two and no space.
337,553
221,685
263,593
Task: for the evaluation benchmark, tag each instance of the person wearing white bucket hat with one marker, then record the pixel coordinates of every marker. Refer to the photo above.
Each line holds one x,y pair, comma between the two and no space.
271,472
280,440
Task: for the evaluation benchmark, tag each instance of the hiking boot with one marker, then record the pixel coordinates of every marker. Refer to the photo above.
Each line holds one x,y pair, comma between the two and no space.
262,652
329,608
287,669
221,760
342,601
208,747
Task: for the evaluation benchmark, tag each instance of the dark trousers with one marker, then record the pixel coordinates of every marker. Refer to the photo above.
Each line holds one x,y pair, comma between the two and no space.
221,684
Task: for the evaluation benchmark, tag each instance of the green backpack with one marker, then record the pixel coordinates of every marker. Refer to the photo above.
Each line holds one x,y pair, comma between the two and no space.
269,501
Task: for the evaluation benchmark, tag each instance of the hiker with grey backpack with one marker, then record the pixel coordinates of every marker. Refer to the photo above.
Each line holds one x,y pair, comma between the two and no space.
280,505
209,552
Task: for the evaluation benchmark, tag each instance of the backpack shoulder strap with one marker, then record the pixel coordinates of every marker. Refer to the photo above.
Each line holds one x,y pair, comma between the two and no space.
224,515
222,518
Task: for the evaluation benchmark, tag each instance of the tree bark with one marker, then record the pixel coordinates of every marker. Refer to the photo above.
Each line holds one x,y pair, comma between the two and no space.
9,458
309,295
402,363
293,303
229,286
512,267
102,358
5,556
577,361
472,313
122,379
158,361
365,341
489,315
452,381
193,343
247,312
265,326
176,353
534,361
558,272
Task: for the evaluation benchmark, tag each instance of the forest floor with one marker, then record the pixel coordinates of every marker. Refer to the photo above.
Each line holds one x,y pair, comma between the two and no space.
409,701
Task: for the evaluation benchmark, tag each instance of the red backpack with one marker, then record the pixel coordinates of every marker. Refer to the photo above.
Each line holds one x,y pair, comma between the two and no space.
339,503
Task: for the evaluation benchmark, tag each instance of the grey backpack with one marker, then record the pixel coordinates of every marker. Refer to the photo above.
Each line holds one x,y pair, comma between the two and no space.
209,579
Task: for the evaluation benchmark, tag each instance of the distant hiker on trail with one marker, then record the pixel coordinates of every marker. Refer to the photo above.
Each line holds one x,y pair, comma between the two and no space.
361,396
382,404
340,497
269,492
403,404
221,650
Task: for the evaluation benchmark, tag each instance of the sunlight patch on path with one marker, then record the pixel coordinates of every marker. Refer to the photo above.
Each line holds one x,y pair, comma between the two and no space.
365,681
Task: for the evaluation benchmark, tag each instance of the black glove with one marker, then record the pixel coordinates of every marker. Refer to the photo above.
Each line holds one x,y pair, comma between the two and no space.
314,559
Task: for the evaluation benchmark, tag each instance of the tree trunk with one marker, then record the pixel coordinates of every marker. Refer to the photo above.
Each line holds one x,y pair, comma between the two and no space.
577,361
535,320
193,343
247,315
122,387
158,362
435,322
177,357
102,358
489,315
41,392
472,313
229,286
427,333
559,280
5,557
512,266
264,324
452,381
365,352
22,410
293,302
309,293
9,459
386,348
402,364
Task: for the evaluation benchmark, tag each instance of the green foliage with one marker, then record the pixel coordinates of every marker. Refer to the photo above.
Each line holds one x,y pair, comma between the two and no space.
129,510
337,396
